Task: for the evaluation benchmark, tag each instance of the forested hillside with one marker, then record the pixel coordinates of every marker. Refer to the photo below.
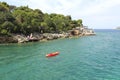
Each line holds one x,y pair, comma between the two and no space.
26,20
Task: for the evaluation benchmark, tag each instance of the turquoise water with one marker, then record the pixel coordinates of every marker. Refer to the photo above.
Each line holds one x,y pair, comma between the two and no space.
85,58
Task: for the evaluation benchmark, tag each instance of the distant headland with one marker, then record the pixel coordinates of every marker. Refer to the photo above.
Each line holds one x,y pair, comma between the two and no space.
23,24
118,28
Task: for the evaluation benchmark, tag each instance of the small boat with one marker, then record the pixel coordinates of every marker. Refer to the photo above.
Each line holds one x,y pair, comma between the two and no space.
52,54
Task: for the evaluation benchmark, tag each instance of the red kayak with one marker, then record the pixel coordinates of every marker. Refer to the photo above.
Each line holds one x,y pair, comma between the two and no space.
52,54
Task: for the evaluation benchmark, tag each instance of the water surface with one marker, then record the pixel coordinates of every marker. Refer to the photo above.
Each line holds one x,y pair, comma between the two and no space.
85,58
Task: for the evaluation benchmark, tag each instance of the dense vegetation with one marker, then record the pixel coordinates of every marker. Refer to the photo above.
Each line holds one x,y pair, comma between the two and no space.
26,20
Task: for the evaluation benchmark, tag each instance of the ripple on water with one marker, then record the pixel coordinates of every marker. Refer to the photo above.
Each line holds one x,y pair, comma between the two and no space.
85,58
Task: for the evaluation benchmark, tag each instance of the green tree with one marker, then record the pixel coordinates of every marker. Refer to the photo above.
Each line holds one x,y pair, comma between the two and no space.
79,22
7,28
26,20
4,7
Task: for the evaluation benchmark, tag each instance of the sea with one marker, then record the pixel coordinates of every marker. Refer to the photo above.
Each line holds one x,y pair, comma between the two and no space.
81,58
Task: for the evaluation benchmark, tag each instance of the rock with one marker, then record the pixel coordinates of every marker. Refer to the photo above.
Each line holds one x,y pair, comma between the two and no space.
20,38
82,31
75,32
43,40
7,39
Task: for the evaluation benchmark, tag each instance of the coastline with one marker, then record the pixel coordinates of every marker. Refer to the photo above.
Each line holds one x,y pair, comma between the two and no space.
35,37
23,24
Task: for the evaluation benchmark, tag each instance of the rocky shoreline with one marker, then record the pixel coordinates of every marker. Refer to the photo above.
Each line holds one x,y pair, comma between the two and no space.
33,37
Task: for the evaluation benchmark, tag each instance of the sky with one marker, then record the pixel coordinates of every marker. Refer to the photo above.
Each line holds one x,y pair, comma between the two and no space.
96,14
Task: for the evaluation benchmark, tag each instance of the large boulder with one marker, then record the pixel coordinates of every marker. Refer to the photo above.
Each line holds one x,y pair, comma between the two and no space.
20,38
75,32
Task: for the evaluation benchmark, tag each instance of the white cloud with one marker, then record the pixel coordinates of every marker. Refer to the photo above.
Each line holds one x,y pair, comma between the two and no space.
98,7
76,8
56,6
72,7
